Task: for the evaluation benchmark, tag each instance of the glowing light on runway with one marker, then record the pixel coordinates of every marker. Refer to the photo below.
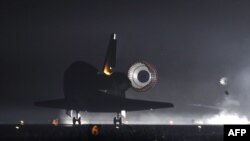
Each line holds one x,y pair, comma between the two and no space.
171,122
21,122
55,122
95,130
227,118
227,113
150,119
200,122
123,113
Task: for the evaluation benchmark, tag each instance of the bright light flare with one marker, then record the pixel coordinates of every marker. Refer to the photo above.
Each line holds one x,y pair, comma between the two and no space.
55,122
21,122
227,118
123,113
198,122
171,122
224,81
107,70
95,130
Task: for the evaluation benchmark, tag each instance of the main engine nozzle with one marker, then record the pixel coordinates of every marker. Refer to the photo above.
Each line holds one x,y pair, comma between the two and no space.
143,76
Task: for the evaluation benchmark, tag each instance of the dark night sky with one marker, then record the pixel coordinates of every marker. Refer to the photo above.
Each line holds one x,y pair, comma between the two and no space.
192,43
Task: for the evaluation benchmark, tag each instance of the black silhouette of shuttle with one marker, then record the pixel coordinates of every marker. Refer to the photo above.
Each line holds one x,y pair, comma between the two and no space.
88,89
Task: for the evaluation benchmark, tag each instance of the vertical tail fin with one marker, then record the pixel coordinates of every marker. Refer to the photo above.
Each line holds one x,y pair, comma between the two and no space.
110,59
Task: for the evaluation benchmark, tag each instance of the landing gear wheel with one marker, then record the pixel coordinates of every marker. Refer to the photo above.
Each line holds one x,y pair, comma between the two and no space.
117,121
74,121
77,119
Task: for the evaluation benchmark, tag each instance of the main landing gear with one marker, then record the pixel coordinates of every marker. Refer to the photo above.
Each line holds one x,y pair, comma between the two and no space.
118,120
76,119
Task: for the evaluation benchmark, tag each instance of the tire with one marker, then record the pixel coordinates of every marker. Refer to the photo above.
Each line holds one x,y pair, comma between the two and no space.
79,120
74,121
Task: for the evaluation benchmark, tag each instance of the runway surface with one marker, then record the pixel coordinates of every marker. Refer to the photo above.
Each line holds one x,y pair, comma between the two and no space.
111,133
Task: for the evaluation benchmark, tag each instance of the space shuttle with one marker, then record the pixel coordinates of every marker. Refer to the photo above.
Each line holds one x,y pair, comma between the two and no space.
87,88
